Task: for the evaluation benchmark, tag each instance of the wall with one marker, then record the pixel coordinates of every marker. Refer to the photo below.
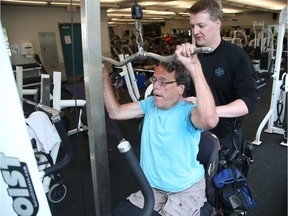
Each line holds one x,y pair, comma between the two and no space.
23,24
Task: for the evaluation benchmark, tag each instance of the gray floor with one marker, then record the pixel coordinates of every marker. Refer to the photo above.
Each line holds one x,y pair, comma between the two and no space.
268,174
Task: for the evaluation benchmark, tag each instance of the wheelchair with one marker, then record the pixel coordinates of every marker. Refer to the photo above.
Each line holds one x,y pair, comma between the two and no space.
213,158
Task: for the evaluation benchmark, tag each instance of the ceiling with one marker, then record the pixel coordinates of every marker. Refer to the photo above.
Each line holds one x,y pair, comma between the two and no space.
119,11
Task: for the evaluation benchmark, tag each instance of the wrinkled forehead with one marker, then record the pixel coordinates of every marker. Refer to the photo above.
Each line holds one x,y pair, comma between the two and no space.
162,71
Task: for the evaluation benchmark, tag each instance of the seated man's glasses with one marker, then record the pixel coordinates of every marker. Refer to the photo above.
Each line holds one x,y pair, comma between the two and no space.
161,83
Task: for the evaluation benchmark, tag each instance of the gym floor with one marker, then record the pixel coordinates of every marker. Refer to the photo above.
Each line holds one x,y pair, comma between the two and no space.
268,173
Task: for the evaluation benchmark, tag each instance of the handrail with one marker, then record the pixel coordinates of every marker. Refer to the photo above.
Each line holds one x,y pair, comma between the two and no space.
144,55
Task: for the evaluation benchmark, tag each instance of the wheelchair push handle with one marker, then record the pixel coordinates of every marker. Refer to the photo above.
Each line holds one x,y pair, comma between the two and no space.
125,148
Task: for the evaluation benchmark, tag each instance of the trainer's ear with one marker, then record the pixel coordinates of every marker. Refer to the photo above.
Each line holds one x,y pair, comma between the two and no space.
219,22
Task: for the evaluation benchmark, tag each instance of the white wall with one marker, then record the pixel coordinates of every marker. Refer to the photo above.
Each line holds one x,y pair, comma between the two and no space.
23,24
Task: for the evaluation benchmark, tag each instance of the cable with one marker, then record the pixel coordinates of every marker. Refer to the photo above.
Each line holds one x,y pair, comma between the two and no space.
278,122
83,209
234,131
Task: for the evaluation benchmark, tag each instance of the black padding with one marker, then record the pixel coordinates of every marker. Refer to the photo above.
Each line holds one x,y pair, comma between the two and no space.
208,155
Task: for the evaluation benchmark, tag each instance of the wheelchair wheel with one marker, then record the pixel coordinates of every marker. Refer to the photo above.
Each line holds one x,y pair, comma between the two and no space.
57,193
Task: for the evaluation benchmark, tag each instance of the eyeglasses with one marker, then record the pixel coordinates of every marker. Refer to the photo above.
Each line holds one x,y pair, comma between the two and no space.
161,83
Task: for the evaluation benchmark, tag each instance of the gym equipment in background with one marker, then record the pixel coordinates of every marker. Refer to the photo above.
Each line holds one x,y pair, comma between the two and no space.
271,115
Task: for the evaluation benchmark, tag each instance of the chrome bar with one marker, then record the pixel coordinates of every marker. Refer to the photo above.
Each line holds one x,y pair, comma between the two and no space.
45,108
144,55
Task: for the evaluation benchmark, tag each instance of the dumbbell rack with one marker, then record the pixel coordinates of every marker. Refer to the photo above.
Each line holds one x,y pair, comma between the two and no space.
30,80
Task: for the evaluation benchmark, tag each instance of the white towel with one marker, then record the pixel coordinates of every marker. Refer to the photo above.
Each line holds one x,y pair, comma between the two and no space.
43,131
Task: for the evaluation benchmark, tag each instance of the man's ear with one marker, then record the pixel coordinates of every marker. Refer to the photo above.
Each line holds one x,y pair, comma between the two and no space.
181,89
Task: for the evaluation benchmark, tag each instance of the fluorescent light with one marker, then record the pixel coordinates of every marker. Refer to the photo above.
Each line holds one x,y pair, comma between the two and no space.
154,12
105,5
231,10
260,4
119,15
125,10
26,2
60,3
183,14
110,1
65,3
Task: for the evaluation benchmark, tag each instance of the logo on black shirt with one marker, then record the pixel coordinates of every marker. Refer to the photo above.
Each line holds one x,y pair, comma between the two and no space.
219,72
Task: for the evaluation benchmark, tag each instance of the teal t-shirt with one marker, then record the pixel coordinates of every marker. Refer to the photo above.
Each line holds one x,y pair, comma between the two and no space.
169,147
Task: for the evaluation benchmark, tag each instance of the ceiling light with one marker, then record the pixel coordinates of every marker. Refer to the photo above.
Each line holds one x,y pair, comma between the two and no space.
25,2
183,14
107,6
230,10
260,5
154,12
119,15
65,3
110,1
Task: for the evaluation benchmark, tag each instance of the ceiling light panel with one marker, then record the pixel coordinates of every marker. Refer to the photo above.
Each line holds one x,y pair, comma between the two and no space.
26,2
154,12
168,5
232,10
65,1
109,1
121,10
267,4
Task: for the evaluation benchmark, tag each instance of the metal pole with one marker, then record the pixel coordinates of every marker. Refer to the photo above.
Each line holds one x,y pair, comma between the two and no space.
92,62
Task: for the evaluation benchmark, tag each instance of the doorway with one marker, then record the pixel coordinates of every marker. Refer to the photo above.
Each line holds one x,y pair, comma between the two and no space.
71,41
48,48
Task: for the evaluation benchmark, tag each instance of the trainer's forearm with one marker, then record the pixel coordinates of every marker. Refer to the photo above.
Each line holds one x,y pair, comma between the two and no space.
234,109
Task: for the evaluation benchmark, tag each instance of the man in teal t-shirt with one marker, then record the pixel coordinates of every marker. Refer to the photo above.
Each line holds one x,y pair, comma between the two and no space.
170,135
169,144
